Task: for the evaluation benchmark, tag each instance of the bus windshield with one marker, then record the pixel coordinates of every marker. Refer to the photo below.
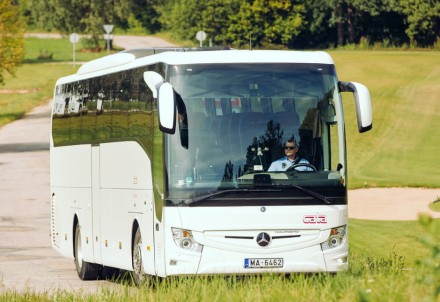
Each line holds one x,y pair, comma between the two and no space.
234,121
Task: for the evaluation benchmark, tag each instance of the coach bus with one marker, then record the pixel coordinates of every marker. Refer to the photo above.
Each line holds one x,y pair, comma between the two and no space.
160,163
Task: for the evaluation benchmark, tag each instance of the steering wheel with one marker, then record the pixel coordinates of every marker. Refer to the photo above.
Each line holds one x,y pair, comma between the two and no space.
293,167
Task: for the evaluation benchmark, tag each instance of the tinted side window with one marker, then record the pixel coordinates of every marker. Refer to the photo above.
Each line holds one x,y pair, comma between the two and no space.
114,107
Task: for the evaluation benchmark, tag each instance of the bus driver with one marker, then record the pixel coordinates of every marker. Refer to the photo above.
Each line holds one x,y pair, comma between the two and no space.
284,163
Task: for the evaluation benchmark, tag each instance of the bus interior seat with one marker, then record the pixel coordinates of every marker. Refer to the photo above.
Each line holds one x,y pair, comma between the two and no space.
208,157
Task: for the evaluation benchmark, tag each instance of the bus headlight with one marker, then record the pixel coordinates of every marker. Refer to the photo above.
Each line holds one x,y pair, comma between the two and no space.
337,238
185,240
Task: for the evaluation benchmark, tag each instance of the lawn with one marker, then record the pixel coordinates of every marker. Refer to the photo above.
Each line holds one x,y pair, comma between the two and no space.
32,86
45,61
40,50
402,148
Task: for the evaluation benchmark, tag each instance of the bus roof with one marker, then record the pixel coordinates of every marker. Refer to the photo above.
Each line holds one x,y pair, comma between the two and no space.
180,56
246,56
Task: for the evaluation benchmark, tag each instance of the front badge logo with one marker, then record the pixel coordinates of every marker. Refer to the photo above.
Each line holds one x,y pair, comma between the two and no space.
263,239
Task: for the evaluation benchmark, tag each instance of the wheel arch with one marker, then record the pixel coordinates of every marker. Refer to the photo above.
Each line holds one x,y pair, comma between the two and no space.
75,223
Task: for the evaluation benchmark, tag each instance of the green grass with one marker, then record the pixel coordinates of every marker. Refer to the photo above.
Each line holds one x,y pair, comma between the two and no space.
384,266
38,75
435,205
40,50
402,148
38,80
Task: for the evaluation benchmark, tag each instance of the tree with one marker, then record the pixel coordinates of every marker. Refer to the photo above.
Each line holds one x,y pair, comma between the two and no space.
266,23
345,15
423,21
212,16
147,13
37,14
11,38
85,17
317,31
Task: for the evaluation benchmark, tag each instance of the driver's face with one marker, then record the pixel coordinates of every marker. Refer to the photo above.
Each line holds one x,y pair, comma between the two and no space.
290,149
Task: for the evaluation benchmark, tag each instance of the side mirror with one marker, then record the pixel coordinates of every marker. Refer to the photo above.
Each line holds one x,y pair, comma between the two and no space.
153,80
167,109
364,112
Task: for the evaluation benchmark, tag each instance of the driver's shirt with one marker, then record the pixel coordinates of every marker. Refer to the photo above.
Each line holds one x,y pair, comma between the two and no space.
284,163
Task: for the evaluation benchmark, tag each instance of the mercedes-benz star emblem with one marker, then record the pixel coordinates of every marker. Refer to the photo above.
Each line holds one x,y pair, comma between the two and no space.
263,239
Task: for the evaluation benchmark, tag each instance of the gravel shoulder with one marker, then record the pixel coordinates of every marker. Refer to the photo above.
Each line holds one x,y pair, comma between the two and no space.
391,203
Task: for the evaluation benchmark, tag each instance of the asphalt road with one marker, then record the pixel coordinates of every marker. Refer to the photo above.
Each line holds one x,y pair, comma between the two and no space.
27,260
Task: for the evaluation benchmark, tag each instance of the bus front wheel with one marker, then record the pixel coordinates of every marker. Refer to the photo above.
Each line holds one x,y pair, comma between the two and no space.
85,270
138,274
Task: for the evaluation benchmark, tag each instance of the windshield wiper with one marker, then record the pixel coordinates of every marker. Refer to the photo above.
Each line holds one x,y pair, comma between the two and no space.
203,197
307,191
312,193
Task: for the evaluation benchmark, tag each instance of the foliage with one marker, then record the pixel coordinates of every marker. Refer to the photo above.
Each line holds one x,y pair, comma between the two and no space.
146,12
88,17
11,38
305,24
264,22
423,20
76,16
435,205
190,16
431,263
267,23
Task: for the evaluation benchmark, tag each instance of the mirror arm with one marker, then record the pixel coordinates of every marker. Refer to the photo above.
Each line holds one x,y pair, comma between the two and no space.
346,87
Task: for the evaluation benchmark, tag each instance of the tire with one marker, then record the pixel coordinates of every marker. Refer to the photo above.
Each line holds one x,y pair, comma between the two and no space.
138,274
85,270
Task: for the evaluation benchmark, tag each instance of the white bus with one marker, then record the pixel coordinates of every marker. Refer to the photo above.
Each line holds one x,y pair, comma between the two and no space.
161,165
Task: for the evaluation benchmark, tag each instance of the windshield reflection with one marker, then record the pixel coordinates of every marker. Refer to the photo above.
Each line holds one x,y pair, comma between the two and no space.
233,122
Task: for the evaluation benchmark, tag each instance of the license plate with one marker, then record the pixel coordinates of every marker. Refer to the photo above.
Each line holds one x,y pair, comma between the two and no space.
263,262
